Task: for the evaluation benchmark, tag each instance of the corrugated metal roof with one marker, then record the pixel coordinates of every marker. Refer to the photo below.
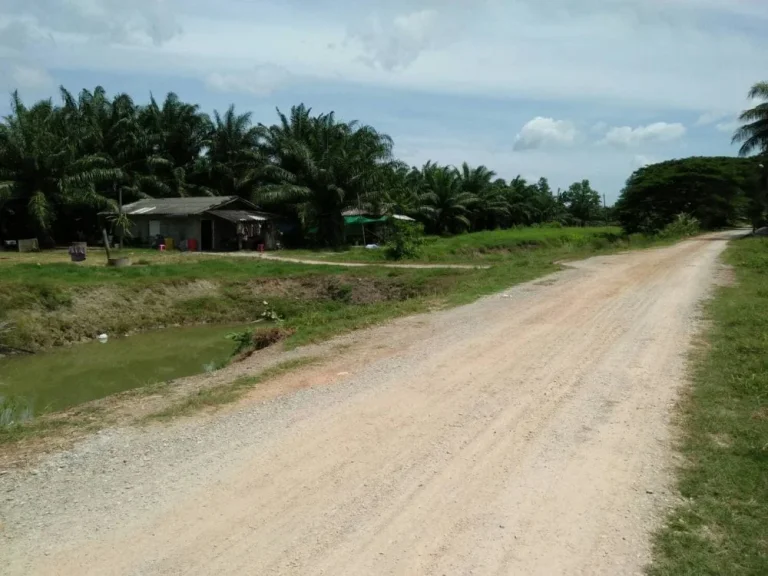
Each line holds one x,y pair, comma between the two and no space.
176,206
239,215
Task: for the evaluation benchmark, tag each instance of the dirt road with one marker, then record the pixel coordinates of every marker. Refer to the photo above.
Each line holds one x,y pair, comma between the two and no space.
528,433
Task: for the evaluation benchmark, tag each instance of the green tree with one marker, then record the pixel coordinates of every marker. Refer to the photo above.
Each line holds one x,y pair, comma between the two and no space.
323,166
180,134
582,202
712,190
40,169
753,135
234,160
448,205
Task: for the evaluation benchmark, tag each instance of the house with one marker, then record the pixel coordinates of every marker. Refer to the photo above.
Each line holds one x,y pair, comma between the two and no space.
210,223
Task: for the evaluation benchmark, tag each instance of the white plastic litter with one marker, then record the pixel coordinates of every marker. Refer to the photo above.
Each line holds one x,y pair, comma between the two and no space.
102,338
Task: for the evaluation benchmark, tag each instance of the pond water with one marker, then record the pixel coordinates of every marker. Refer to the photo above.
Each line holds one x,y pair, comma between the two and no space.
64,377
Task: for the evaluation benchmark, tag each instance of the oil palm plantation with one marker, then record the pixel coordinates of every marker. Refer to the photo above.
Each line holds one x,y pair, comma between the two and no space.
41,168
447,204
490,205
178,133
322,167
233,161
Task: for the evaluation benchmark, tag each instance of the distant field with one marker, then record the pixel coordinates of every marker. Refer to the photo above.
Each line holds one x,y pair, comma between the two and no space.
490,246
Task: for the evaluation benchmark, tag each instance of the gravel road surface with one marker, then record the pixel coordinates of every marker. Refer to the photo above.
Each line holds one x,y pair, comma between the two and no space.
527,433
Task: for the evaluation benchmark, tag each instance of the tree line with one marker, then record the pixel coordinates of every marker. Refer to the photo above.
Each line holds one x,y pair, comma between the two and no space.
717,191
62,163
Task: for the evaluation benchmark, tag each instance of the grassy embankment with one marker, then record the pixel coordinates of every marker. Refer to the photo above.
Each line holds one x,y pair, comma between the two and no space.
721,527
54,303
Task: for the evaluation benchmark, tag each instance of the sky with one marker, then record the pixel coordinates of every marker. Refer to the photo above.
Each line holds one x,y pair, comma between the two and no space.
563,89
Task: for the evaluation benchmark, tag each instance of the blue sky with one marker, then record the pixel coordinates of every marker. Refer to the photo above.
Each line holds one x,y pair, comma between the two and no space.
556,88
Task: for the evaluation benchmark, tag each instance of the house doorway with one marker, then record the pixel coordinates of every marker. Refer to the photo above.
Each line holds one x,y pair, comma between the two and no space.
206,235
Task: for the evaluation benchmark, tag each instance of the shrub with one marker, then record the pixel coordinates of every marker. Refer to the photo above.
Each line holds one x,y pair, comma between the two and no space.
683,225
243,340
406,240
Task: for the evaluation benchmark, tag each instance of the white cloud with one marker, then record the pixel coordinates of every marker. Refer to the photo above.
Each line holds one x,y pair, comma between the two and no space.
624,136
398,42
545,132
261,81
112,20
30,77
728,127
711,117
622,51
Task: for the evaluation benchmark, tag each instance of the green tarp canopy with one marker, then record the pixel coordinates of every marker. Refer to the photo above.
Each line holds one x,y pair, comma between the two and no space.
356,221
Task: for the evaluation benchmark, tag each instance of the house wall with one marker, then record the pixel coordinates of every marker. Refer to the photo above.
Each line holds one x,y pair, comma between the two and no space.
179,229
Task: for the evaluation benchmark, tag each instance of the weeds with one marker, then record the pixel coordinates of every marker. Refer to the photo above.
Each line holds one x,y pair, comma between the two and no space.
243,340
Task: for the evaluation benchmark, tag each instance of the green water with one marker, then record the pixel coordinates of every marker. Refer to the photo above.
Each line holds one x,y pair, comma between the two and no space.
65,377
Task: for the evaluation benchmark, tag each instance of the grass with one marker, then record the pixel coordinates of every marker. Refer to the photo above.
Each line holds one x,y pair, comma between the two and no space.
221,395
487,247
722,525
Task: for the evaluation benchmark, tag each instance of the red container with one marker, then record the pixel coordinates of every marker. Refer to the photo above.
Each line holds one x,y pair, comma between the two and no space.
192,245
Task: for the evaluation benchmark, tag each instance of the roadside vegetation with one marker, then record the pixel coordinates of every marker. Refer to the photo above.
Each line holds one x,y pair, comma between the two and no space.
721,527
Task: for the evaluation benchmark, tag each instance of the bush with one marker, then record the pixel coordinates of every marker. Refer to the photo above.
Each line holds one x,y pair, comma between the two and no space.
682,226
243,340
406,240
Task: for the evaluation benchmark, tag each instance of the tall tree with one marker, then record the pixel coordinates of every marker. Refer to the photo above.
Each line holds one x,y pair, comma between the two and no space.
713,190
753,135
582,202
323,166
234,161
40,169
448,205
489,205
754,138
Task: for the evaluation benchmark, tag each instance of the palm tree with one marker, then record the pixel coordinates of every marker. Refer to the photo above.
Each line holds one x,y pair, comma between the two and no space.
754,134
403,192
322,167
448,204
234,161
40,169
180,134
490,204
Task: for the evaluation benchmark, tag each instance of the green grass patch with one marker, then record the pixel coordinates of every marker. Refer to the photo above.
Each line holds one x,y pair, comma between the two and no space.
481,247
221,395
722,527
